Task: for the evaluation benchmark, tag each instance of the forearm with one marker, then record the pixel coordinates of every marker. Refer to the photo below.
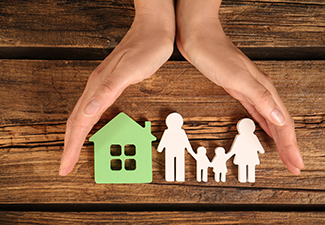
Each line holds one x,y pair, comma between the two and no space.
200,16
199,11
155,7
157,12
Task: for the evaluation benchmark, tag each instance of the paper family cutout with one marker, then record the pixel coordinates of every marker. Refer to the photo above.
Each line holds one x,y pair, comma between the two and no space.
245,148
122,152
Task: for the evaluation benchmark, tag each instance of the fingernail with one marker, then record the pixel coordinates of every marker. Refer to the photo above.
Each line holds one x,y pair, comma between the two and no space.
65,171
92,108
296,172
300,164
277,117
61,172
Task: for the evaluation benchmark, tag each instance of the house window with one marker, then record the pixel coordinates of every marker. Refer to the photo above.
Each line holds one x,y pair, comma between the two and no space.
130,164
129,150
116,164
116,150
123,157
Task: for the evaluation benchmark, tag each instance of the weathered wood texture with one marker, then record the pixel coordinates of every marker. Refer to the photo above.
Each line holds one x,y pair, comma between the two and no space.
161,217
37,97
102,24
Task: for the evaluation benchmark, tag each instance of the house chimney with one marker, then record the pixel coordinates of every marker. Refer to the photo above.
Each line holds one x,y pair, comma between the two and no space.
147,130
147,126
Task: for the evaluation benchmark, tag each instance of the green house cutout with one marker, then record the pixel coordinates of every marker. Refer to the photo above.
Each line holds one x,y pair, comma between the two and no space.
122,151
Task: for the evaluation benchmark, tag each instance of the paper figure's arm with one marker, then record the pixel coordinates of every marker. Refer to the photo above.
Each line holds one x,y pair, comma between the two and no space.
189,147
259,146
233,147
190,150
213,161
161,144
230,154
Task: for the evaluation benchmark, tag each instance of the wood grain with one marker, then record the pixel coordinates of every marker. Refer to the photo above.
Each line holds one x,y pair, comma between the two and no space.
274,23
37,97
64,24
102,24
10,217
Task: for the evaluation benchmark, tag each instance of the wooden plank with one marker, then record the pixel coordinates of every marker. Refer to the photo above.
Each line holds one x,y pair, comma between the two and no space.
266,23
35,91
187,217
64,24
102,24
37,97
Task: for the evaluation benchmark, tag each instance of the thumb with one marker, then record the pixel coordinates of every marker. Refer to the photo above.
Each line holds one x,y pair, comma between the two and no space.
263,101
83,119
105,95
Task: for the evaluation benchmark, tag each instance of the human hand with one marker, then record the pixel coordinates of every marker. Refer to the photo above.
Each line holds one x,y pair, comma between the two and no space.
147,46
201,40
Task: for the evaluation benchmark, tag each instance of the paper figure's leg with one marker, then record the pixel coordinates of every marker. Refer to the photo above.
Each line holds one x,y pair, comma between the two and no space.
223,177
198,174
205,174
180,169
242,175
251,173
170,168
216,176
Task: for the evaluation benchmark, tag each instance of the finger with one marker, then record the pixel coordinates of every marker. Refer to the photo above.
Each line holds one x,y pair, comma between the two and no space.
288,150
106,67
257,117
73,147
66,167
70,120
286,155
285,134
289,147
284,137
262,99
289,154
98,96
87,112
274,132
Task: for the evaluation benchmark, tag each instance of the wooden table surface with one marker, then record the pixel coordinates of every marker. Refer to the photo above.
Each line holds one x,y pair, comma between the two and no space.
49,48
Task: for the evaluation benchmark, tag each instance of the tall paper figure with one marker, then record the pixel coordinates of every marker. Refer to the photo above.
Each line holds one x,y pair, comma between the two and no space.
245,147
175,141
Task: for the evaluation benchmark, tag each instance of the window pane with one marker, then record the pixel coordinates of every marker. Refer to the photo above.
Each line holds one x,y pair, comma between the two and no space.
129,150
116,150
130,164
116,164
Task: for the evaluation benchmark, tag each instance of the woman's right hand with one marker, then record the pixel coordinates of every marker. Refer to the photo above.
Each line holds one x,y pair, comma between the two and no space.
144,49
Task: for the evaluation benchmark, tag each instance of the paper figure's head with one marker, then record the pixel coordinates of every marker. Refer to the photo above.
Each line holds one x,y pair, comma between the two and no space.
174,121
201,150
219,151
245,126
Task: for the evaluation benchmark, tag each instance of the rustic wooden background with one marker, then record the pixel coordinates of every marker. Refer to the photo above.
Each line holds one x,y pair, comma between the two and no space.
49,48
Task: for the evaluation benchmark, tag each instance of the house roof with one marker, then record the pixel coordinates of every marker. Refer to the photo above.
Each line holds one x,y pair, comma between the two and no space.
122,124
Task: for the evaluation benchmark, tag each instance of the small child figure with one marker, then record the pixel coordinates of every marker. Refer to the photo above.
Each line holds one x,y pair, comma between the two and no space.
202,164
219,164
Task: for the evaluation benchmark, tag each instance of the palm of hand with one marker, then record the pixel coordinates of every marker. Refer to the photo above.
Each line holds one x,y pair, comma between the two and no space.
141,52
225,65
